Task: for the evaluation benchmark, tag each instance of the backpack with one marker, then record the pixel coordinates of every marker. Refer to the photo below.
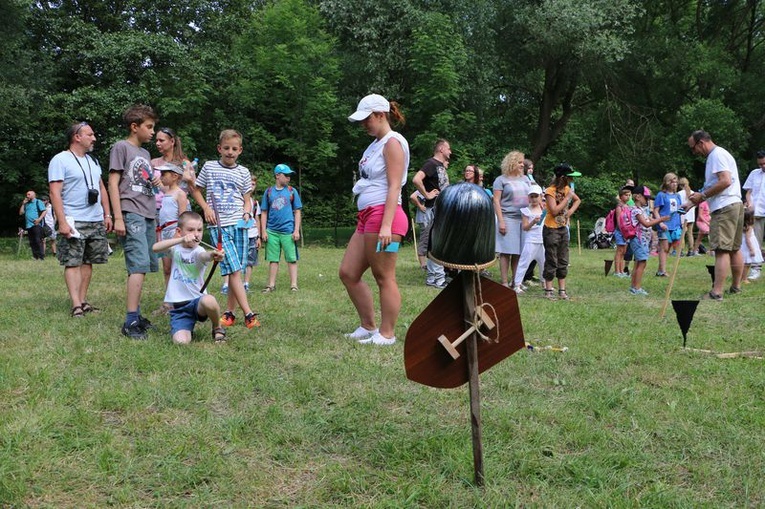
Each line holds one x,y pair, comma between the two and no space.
629,230
611,221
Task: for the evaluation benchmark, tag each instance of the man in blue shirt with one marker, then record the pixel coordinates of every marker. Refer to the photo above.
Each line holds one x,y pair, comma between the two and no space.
33,211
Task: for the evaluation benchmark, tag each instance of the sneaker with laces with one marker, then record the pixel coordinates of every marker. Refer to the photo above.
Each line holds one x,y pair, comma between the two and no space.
228,319
251,320
247,287
661,274
224,289
754,274
518,289
133,330
361,333
638,291
436,284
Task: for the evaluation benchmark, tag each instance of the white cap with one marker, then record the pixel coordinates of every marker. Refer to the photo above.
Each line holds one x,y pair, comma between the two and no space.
535,189
368,105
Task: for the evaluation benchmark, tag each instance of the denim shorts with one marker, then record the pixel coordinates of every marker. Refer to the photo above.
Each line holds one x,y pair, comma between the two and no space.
252,252
140,235
639,249
185,317
619,238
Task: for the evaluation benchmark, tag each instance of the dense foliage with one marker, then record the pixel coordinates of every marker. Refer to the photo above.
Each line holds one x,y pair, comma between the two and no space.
612,86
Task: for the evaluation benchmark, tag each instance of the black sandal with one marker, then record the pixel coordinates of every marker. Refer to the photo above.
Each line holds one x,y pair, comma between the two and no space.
219,335
88,308
77,312
550,294
562,295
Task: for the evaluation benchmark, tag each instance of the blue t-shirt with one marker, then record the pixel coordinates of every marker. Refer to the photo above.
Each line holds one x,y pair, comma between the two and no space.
32,211
668,203
279,204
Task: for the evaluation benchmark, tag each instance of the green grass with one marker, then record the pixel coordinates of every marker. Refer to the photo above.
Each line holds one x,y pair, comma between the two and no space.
295,415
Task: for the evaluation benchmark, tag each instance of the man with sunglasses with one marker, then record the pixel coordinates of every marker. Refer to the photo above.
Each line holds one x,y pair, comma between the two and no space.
722,191
79,200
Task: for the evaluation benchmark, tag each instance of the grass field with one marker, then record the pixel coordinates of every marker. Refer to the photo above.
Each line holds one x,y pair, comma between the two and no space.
294,415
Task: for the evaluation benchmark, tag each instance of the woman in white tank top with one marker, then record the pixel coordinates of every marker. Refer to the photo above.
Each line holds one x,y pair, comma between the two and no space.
381,221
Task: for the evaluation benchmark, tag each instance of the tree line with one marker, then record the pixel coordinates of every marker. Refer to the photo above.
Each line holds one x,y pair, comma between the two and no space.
613,87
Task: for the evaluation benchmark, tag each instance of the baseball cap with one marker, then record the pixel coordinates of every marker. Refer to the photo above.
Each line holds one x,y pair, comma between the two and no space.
170,167
282,168
535,189
566,169
642,190
368,105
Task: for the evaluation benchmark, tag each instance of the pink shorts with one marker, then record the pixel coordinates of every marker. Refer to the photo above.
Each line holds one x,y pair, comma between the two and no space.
370,220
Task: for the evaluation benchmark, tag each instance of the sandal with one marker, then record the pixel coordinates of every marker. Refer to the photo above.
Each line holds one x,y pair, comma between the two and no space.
77,312
562,295
293,288
219,335
88,308
268,289
550,294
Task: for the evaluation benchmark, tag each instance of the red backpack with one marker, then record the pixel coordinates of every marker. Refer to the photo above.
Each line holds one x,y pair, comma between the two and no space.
629,230
611,221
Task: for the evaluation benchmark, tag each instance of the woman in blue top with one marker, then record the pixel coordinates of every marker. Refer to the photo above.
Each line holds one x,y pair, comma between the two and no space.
667,203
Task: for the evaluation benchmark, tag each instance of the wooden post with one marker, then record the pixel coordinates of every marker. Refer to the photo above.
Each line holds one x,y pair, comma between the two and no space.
414,237
668,294
578,237
468,285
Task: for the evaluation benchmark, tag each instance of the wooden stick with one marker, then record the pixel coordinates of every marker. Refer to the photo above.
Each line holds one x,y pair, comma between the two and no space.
671,283
468,286
414,236
578,237
483,320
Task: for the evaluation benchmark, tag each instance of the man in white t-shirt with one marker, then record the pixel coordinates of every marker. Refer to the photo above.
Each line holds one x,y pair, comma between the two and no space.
722,191
755,200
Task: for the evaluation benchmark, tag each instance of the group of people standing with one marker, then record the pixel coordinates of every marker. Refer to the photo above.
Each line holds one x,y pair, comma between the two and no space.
532,223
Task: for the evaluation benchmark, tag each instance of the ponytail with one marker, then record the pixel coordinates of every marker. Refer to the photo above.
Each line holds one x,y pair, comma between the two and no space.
395,117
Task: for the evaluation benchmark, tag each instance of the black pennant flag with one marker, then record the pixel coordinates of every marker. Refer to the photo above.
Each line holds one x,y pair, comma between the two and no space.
684,309
607,266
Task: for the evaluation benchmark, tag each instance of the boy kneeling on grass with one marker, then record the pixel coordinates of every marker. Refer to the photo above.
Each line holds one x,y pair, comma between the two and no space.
189,261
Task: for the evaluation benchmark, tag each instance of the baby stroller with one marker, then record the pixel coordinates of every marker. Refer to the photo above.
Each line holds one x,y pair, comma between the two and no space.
599,238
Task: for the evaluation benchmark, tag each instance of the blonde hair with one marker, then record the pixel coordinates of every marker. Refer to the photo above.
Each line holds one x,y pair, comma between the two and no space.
665,183
228,134
683,182
510,164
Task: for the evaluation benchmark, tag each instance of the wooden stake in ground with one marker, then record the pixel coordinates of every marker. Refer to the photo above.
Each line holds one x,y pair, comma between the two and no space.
414,237
578,237
469,299
671,283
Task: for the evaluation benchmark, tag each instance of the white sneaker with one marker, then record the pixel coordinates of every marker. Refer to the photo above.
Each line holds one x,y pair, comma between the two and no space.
754,274
360,333
379,339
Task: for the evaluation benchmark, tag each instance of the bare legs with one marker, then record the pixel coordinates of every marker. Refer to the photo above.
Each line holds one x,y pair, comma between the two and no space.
77,283
507,263
726,261
360,256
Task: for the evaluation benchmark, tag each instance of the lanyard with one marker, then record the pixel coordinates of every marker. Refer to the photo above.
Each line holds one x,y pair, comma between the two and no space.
89,184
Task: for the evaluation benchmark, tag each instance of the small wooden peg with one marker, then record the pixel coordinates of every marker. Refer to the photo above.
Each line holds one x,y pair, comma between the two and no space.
451,348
